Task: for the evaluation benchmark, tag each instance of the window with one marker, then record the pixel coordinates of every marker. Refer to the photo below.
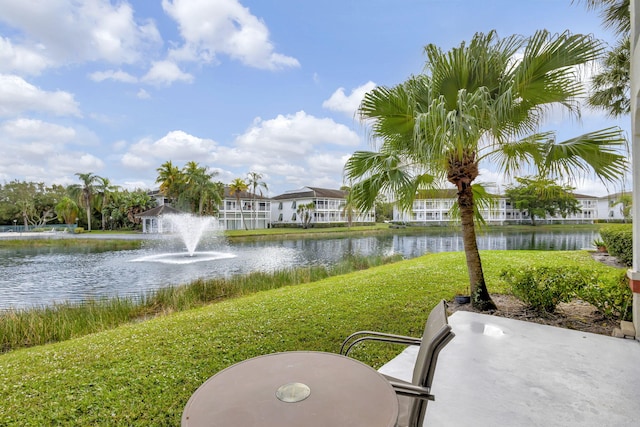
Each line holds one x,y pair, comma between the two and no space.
293,204
294,217
280,217
280,206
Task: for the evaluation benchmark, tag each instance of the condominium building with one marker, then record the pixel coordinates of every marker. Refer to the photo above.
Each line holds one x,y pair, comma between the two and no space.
327,207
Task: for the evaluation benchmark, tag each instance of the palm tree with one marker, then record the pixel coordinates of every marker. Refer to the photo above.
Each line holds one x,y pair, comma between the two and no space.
610,88
84,192
104,189
67,210
304,212
254,181
236,188
170,179
474,103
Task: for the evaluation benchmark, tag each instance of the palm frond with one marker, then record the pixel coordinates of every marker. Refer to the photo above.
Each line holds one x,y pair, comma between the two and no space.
376,173
592,153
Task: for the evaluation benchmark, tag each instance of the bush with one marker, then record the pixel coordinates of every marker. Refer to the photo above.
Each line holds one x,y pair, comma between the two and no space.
543,288
619,242
78,230
611,296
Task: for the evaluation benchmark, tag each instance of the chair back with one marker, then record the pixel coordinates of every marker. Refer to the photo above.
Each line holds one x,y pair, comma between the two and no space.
437,334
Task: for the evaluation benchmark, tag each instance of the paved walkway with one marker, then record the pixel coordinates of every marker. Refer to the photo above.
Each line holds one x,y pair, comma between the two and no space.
505,372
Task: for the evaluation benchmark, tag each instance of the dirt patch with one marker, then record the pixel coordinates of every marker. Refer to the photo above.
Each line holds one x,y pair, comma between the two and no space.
577,314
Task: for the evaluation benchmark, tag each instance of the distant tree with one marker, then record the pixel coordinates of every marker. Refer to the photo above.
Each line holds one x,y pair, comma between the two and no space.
67,210
384,209
132,203
540,197
33,203
304,212
625,200
84,192
199,189
236,188
170,178
104,191
255,183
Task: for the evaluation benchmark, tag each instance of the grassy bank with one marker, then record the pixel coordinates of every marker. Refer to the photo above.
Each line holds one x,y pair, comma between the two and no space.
90,244
42,325
144,373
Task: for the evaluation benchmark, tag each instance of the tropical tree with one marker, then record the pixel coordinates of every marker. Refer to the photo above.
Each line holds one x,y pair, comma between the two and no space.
67,210
610,87
625,201
199,189
254,181
170,178
236,188
540,197
104,191
481,101
84,192
304,213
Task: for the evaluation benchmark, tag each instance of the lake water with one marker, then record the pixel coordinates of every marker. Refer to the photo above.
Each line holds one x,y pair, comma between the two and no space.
32,277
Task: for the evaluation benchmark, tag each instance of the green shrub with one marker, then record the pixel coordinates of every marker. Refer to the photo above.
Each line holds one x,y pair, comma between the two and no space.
611,296
543,288
619,242
78,230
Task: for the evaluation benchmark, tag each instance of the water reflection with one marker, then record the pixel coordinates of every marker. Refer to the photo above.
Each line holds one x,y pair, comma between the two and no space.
31,277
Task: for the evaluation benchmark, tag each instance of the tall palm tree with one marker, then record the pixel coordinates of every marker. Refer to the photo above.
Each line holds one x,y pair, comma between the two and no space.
84,192
170,179
254,181
236,188
104,190
200,189
476,103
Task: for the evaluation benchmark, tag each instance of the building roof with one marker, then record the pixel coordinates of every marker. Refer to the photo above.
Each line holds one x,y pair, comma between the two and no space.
159,211
243,195
312,192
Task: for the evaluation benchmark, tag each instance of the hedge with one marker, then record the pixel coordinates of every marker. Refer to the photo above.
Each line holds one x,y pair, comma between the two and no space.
619,241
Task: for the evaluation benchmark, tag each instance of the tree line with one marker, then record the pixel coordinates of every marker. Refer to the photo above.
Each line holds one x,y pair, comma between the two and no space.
96,200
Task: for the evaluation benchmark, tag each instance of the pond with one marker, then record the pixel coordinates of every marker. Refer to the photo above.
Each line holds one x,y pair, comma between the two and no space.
38,277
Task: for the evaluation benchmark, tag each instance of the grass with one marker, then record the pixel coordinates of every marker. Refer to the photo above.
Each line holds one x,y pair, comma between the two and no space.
89,244
143,374
42,325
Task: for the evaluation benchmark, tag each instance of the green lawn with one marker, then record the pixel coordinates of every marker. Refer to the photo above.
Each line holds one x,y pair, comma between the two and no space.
144,373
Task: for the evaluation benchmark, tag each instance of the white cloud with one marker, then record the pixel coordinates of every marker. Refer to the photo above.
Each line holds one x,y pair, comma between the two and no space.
225,27
348,104
163,73
19,59
34,150
176,146
66,32
17,96
299,134
143,94
116,75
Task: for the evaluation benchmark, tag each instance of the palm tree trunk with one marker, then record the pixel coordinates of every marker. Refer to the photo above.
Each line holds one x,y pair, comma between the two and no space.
480,297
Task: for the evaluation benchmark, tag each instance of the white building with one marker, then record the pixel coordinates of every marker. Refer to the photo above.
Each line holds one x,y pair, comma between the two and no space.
245,210
329,207
436,210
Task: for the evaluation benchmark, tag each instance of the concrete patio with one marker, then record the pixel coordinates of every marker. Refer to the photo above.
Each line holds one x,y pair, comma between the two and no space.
504,372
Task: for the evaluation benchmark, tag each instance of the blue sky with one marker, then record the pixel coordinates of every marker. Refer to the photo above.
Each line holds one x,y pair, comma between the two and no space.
117,88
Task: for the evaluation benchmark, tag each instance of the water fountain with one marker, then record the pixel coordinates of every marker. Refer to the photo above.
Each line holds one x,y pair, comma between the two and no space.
190,229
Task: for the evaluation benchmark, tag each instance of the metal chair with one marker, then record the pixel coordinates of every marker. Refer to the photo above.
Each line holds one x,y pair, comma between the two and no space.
413,396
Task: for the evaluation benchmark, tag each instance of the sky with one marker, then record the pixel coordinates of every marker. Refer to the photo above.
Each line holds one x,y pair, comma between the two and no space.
117,88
